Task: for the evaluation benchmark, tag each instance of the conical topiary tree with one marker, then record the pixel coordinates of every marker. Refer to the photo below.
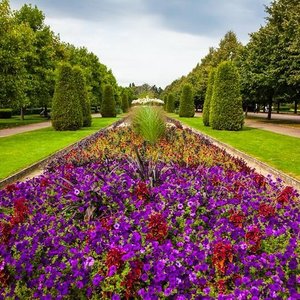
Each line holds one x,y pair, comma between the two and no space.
81,93
66,111
125,104
186,106
208,96
108,107
170,106
226,112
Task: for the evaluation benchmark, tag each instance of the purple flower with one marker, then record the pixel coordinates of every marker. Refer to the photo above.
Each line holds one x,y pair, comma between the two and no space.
97,279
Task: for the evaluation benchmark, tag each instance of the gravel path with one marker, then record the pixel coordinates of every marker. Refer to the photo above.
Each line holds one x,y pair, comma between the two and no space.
24,128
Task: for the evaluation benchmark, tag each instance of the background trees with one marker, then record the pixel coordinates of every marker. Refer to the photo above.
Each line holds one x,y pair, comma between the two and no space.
186,106
108,107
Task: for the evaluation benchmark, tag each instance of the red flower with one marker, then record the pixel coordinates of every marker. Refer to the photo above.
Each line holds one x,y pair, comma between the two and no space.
237,218
266,210
132,277
222,254
158,227
106,223
44,182
285,195
114,257
253,239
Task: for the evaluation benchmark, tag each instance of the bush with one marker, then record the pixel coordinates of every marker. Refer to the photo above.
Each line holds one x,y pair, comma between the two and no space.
81,92
108,107
186,106
208,96
125,104
226,112
66,108
5,113
170,106
149,122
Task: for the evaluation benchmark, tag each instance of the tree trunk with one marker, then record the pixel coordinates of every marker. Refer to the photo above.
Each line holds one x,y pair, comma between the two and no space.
270,108
22,113
295,108
46,111
246,111
278,107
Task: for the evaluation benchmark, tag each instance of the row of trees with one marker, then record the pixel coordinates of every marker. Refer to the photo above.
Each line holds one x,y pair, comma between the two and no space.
269,65
29,55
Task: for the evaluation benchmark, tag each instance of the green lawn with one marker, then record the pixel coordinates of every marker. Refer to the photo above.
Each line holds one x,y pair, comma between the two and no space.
24,149
15,121
279,151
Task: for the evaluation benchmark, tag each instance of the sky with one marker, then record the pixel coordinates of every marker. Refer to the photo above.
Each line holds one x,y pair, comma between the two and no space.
150,41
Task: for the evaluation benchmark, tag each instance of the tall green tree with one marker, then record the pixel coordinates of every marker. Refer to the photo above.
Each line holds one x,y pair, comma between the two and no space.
170,107
81,93
108,107
208,96
226,112
16,42
66,107
125,104
186,106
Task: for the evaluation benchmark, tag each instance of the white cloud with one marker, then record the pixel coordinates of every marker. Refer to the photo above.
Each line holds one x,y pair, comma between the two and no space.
137,49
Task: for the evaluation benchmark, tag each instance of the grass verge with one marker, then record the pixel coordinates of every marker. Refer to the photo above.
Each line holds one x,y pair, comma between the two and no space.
278,151
21,150
15,121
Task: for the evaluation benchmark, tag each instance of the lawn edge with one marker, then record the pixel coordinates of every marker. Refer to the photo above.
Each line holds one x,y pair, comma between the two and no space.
40,164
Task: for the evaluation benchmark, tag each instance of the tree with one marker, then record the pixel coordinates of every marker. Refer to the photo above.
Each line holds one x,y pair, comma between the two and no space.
81,93
208,96
170,107
186,106
108,107
226,112
16,42
66,108
125,105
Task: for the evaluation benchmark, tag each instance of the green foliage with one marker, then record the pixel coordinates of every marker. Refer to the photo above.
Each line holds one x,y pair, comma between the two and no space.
125,105
208,96
186,106
170,106
108,107
226,112
5,113
149,122
66,108
81,93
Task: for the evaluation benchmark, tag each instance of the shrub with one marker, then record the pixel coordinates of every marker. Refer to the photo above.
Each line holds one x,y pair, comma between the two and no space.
186,106
149,122
125,104
66,109
170,106
108,107
208,96
226,112
5,113
81,93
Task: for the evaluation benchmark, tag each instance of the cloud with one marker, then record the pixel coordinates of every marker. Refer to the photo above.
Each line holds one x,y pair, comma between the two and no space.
151,41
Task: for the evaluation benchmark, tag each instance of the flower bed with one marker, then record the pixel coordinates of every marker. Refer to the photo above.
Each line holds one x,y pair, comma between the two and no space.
106,222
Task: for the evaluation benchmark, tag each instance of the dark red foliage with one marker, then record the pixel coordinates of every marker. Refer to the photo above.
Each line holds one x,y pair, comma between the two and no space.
142,191
253,239
106,223
221,285
114,258
158,227
237,218
11,188
20,211
132,277
285,195
260,180
5,230
44,182
222,255
266,210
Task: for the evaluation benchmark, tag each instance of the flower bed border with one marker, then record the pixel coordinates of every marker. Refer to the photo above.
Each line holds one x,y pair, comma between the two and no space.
259,166
43,162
